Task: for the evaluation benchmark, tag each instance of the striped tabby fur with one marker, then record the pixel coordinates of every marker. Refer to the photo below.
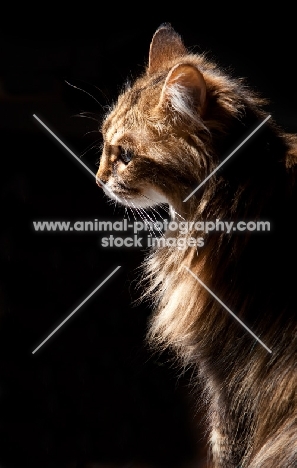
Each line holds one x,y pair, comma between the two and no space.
165,134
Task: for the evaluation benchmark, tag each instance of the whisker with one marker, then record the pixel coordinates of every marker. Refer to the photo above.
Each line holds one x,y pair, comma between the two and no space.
138,212
154,224
141,212
157,212
150,225
152,208
175,212
127,213
91,146
86,92
133,211
87,115
164,206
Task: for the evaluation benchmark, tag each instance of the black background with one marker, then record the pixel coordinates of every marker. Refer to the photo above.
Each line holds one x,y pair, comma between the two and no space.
95,393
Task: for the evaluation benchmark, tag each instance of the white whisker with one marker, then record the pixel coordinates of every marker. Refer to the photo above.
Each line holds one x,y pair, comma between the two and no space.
86,92
127,213
150,225
152,221
132,211
175,212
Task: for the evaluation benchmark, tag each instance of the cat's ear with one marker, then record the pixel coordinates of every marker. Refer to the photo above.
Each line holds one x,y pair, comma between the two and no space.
166,45
184,91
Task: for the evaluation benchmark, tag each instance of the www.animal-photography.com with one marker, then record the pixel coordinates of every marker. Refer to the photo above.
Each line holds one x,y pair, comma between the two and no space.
148,241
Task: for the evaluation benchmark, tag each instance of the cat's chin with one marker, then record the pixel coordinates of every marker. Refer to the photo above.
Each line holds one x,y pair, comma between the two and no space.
152,197
145,198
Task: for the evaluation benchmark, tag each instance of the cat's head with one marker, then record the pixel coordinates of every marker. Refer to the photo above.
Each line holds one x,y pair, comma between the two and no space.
158,138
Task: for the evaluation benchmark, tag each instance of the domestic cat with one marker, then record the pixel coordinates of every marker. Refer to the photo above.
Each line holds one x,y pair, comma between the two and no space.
165,135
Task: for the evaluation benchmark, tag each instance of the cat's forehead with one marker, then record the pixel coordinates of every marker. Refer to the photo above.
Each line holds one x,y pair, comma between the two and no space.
121,122
125,127
120,136
130,114
137,96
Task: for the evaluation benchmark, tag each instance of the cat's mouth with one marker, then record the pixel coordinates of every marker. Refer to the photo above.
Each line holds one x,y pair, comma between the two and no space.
119,191
143,197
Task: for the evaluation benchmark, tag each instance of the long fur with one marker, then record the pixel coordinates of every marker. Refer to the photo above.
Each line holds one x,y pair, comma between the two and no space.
178,137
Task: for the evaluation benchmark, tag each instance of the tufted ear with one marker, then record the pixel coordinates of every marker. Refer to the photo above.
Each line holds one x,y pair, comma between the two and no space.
184,91
165,46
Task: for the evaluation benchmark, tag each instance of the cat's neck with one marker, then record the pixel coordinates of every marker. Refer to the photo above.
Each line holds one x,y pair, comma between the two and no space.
254,186
252,174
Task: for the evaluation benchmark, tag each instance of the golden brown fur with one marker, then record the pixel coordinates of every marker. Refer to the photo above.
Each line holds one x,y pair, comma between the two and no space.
179,121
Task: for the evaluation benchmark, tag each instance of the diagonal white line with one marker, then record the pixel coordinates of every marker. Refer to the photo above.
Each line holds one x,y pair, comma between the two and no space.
74,155
228,310
228,157
78,307
192,193
63,144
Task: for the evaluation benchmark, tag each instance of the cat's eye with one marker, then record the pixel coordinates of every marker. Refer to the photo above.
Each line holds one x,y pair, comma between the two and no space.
125,155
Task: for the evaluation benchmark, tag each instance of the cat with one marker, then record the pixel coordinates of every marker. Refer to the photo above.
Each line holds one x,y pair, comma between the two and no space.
164,136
